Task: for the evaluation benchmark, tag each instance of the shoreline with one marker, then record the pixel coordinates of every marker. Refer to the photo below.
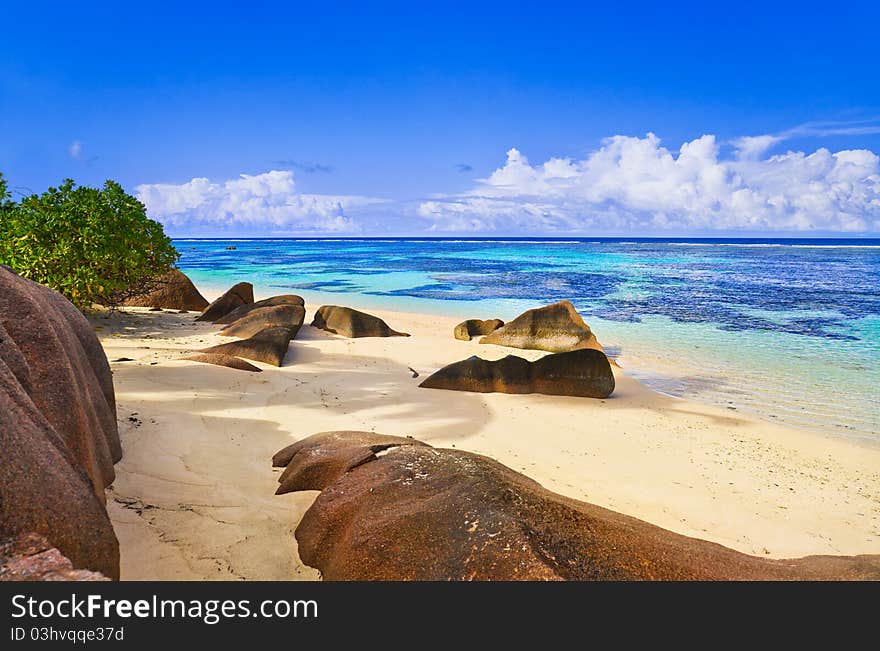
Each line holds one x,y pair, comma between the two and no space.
184,507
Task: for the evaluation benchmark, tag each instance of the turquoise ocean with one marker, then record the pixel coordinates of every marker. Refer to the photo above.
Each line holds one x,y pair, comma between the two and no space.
785,329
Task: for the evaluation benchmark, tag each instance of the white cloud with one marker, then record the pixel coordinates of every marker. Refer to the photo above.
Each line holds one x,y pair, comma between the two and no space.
861,127
261,203
75,149
636,185
755,146
752,147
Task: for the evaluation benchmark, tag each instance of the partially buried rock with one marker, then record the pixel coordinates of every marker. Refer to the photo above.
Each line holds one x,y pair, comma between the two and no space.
284,316
224,360
467,330
235,296
173,291
239,312
352,323
584,373
395,509
268,346
555,328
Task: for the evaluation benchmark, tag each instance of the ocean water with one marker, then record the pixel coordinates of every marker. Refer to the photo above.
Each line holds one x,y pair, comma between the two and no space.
786,329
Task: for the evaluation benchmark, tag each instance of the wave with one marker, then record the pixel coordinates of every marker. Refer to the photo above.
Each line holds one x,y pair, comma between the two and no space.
774,245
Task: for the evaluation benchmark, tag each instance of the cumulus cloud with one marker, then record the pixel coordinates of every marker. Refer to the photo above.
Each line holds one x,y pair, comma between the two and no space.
260,203
636,185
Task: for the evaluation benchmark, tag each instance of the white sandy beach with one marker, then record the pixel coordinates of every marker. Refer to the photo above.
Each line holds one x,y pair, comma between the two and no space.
193,496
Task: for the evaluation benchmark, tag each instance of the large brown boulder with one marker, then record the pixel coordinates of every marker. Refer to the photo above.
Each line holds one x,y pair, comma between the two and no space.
284,316
393,509
58,428
268,346
30,557
236,296
174,291
243,310
586,373
556,328
467,330
352,323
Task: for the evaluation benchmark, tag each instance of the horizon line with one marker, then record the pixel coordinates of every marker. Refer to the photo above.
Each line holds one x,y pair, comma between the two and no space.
859,238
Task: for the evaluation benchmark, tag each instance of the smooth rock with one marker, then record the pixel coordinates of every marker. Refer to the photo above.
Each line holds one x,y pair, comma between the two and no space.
323,458
243,310
467,330
268,346
284,316
224,360
236,296
417,513
351,323
585,373
555,328
58,429
174,291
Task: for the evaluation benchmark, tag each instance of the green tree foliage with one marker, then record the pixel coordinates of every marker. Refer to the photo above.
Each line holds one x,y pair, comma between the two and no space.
93,246
5,204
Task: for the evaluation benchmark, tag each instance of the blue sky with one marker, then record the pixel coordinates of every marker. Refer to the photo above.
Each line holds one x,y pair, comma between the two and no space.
398,118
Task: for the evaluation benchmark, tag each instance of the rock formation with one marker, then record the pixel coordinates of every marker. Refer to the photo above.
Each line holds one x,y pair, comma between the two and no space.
224,360
236,296
585,372
316,461
394,509
30,557
351,323
556,328
467,330
243,310
285,316
174,291
268,345
58,428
